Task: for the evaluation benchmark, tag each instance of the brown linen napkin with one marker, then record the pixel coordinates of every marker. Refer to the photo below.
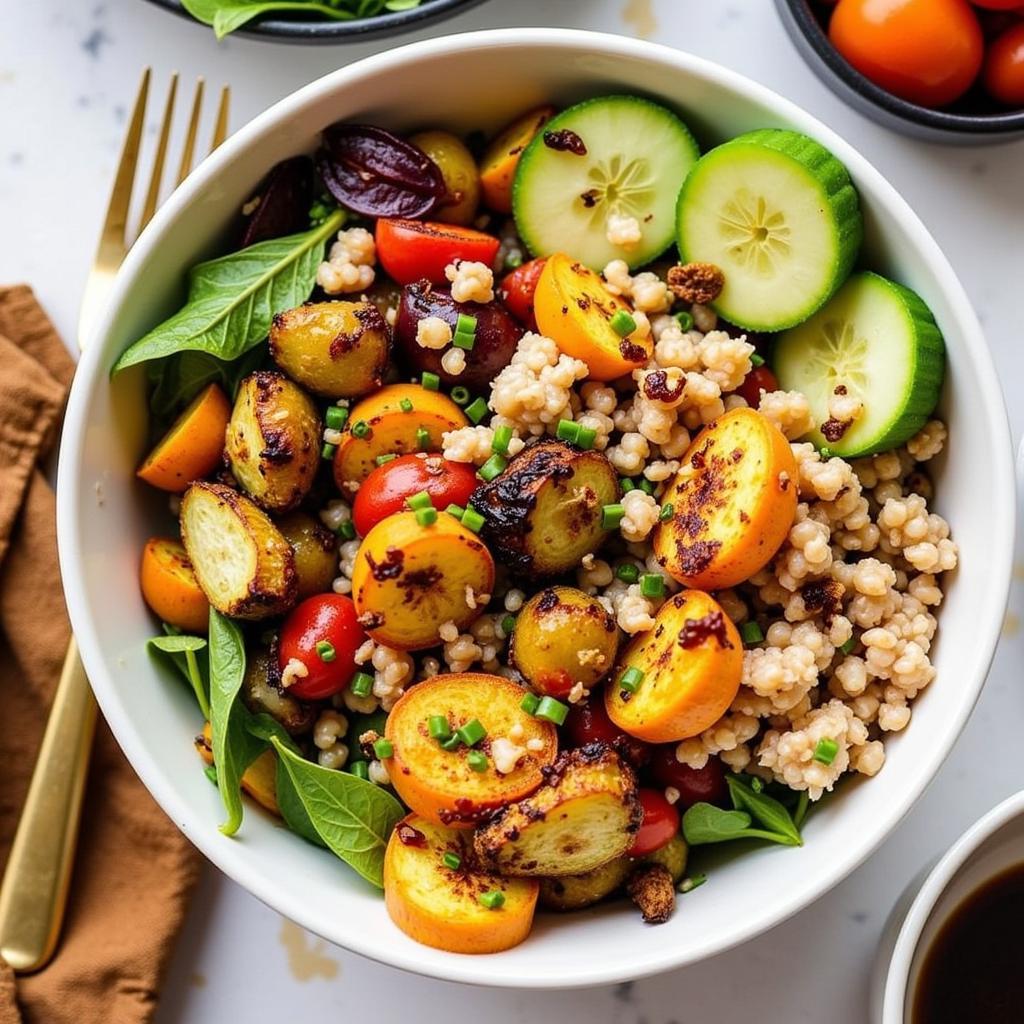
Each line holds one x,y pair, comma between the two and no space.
134,870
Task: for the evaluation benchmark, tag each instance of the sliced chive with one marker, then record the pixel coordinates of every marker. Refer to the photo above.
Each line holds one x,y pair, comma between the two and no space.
438,727
513,260
666,513
360,769
622,323
211,773
426,516
327,452
757,784
611,516
452,860
626,484
362,684
551,710
756,360
567,430
652,584
383,460
421,499
405,405
508,625
691,883
586,438
472,519
360,429
628,573
502,437
493,467
646,486
422,439
460,395
493,899
452,742
455,510
825,751
383,748
430,381
847,647
530,703
466,324
464,341
472,732
336,417
477,760
751,633
631,679
325,650
347,530
476,410
685,320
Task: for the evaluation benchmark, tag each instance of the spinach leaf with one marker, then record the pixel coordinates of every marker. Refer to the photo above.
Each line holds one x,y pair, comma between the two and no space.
354,818
802,807
182,651
175,381
234,747
232,299
764,809
292,809
227,15
706,823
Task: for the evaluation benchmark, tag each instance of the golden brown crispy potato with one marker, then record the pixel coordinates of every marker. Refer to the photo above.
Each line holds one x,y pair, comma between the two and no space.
262,693
334,349
316,552
244,565
461,177
574,892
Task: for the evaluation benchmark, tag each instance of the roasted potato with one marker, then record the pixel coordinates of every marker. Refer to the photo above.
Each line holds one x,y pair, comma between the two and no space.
563,637
497,335
586,813
244,565
273,441
458,168
446,907
262,692
574,892
543,513
334,349
672,856
316,552
259,780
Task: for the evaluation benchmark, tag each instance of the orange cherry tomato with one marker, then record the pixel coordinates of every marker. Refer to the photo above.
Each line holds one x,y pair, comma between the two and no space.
1004,67
925,51
517,289
413,249
660,823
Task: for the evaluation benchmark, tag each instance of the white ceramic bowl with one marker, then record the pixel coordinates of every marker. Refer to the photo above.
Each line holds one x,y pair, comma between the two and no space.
469,81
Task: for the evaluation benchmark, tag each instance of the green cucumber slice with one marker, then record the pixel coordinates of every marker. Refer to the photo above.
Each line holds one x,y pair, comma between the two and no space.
637,155
879,340
776,211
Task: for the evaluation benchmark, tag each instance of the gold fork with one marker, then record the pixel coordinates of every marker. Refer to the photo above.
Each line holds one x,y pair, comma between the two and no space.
34,891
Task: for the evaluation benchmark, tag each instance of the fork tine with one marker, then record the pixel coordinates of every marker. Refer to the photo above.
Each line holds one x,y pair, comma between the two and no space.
193,127
153,193
115,224
220,128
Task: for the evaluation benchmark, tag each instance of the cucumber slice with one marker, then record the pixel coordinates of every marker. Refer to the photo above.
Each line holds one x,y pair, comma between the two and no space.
878,340
637,155
777,213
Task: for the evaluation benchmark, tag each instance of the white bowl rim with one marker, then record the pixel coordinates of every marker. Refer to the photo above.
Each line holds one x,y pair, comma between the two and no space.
481,970
940,877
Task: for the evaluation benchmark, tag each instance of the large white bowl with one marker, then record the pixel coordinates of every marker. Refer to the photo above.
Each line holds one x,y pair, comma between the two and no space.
469,81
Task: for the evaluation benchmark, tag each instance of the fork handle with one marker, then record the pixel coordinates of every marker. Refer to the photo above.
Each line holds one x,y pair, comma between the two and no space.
34,891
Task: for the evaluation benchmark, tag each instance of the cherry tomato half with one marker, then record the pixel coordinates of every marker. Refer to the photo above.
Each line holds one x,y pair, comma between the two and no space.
384,491
760,378
695,785
1004,67
660,823
324,619
926,51
413,249
517,291
589,723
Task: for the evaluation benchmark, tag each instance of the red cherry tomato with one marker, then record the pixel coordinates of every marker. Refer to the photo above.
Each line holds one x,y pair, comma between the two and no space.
589,723
384,491
695,785
1004,67
760,377
413,249
997,5
517,291
329,618
927,51
660,824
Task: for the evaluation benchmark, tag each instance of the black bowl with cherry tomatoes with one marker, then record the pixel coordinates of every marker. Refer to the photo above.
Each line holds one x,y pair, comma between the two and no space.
976,48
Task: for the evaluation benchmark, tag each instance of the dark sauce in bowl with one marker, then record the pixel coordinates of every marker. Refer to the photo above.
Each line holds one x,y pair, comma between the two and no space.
974,970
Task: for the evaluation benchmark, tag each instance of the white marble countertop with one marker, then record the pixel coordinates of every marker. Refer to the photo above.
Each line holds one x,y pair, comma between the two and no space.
67,71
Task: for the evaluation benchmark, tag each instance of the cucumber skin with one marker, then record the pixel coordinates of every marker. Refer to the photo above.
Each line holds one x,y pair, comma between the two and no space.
840,194
535,144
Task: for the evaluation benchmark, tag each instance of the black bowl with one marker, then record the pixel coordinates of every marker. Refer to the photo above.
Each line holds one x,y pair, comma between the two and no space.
296,29
972,120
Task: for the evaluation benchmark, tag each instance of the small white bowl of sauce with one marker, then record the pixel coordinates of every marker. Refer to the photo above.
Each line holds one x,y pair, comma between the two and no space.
953,948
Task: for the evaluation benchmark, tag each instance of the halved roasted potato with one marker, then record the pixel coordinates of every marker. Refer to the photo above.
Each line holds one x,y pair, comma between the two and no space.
586,813
273,440
244,565
259,780
334,349
543,513
262,692
574,892
316,552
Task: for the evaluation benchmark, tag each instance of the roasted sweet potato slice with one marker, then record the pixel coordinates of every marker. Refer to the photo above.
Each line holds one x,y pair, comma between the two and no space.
170,587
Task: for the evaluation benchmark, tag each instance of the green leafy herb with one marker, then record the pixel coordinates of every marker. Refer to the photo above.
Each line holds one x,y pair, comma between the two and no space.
227,15
177,380
292,809
706,823
182,651
232,299
354,818
803,805
765,810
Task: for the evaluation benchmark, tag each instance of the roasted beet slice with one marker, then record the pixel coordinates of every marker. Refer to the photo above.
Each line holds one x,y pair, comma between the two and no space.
282,202
377,174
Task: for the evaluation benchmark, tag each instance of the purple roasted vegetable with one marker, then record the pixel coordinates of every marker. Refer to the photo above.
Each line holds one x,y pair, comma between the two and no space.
372,172
282,202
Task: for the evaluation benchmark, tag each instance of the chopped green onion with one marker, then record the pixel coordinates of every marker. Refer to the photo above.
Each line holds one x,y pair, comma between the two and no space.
622,323
530,703
455,510
477,760
567,430
336,417
694,882
513,259
211,773
466,324
493,899
347,530
626,484
666,513
847,647
325,650
551,710
628,572
362,684
421,499
751,633
631,679
464,341
757,785
646,486
383,748
328,450
383,460
452,860
502,437
685,320
460,395
494,466
652,584
472,519
756,360
586,438
508,625
472,732
430,381
422,438
438,727
452,742
361,429
426,516
826,750
360,769
405,405
476,410
611,516
825,452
